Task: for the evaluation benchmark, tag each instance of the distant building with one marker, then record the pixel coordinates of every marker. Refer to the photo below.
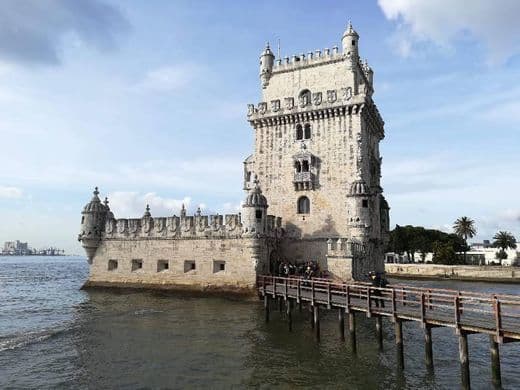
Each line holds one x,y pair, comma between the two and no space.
16,248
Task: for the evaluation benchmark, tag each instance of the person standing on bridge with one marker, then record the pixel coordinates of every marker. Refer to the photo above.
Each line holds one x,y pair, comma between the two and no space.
378,281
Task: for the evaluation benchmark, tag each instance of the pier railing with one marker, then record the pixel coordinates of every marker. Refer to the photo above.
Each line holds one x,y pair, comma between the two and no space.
497,315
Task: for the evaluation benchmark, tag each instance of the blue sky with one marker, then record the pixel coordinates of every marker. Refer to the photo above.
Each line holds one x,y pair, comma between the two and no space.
147,100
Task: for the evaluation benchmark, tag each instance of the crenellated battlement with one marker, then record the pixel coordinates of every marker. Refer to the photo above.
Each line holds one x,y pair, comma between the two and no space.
195,226
316,58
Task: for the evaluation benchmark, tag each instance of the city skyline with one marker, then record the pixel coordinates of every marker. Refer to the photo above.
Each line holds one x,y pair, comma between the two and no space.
148,102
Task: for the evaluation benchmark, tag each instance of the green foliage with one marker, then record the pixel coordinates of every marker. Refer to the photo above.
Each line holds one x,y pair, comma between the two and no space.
504,240
443,253
501,255
416,239
465,228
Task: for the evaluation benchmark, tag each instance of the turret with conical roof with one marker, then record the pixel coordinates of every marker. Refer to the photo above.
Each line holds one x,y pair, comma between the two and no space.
350,42
266,65
93,219
254,211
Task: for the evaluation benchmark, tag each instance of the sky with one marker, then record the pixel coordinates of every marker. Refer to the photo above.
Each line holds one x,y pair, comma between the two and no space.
147,100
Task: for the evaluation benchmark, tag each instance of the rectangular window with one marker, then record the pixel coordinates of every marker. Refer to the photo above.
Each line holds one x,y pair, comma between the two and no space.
258,214
137,264
219,266
189,265
112,265
365,203
162,265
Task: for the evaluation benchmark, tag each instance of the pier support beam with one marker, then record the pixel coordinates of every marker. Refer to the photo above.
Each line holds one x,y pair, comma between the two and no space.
399,343
311,315
495,363
266,307
341,323
428,349
464,360
352,331
289,313
280,304
379,332
316,312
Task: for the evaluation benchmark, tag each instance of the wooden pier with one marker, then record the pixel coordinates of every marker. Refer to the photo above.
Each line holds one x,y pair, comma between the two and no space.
465,312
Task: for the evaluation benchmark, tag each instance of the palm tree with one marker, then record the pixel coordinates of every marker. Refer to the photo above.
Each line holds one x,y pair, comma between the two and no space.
465,227
504,241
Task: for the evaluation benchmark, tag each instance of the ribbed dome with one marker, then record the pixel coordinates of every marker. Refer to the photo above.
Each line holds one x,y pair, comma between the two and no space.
255,198
95,205
350,31
359,187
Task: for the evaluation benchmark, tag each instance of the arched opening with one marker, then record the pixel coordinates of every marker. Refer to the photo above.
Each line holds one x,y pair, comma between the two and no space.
305,97
304,205
299,132
307,132
305,166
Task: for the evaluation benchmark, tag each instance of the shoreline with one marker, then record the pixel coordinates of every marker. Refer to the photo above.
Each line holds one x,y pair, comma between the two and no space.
469,273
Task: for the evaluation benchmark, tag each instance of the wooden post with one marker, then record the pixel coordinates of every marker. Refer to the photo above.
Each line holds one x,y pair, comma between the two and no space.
464,360
352,330
399,342
289,314
379,332
495,363
428,349
316,313
280,304
311,311
266,306
369,303
341,323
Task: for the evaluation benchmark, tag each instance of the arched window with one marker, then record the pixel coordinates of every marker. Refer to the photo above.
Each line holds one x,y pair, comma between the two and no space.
299,132
305,166
307,131
304,205
305,98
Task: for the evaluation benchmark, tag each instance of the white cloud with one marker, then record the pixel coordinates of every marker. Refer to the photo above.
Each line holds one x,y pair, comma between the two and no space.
132,204
10,192
171,77
493,23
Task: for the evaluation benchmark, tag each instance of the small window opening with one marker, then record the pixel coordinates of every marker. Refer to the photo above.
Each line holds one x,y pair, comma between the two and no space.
162,265
189,265
258,214
299,132
307,128
353,43
219,266
365,203
82,219
298,166
304,205
137,264
112,265
305,166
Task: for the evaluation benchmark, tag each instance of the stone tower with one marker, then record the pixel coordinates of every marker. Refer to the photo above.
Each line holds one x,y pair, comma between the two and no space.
317,133
93,219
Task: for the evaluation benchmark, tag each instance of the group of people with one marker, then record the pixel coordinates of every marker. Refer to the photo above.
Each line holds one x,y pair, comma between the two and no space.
307,270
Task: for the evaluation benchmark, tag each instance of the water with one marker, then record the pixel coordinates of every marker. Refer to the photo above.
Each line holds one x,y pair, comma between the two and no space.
53,335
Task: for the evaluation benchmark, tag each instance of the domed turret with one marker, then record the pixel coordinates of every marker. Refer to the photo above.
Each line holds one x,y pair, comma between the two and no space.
266,65
254,211
350,42
93,219
359,188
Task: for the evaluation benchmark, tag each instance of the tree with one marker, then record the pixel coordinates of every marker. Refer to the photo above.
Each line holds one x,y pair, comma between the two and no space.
504,241
465,227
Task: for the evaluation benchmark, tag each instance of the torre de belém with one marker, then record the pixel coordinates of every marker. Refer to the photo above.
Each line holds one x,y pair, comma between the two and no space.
312,190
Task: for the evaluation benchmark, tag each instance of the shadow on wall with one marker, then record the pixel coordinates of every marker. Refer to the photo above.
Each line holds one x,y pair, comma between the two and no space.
327,230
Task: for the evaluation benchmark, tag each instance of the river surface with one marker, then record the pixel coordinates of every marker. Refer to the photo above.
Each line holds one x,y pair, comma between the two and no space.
54,335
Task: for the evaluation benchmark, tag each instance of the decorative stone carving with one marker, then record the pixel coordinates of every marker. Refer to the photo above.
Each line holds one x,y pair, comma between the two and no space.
262,107
346,93
331,96
316,98
289,103
275,105
250,109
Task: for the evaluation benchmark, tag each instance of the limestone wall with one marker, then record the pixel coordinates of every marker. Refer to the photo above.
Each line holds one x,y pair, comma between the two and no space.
218,263
454,272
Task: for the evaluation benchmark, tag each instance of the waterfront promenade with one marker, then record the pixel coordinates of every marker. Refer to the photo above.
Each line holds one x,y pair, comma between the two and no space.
466,312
